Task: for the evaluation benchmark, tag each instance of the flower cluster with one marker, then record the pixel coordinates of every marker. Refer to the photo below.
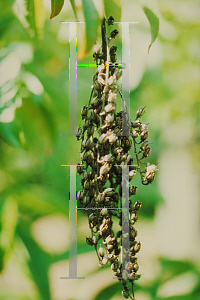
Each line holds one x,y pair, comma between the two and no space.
104,152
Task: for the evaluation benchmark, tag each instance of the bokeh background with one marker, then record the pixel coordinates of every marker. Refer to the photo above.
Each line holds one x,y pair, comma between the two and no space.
34,223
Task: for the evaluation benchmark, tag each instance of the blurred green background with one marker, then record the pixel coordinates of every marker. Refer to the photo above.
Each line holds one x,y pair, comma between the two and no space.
34,223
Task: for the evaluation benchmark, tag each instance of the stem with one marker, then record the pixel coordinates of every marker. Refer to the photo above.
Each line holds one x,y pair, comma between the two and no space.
103,32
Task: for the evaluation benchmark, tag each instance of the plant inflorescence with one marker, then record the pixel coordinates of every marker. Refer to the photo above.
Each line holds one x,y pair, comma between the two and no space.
104,154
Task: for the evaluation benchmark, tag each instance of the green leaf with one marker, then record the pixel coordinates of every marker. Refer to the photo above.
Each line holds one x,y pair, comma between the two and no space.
151,11
10,134
9,216
39,132
56,6
91,27
73,7
113,8
31,14
39,261
36,200
175,267
39,17
108,292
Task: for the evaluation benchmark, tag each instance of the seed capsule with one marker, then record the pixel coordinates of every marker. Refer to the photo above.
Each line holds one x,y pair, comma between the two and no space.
125,293
84,112
86,200
94,239
92,217
87,184
86,143
104,261
109,247
86,124
90,131
109,118
132,173
80,195
147,152
137,247
144,146
78,132
134,217
104,211
79,168
89,241
112,138
133,190
140,112
101,251
135,133
110,21
137,205
135,267
97,49
133,234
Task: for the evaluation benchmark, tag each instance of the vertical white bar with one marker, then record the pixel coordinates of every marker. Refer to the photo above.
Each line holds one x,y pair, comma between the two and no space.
72,78
72,227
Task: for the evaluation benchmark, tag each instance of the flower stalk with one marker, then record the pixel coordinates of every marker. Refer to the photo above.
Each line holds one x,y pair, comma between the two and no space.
104,152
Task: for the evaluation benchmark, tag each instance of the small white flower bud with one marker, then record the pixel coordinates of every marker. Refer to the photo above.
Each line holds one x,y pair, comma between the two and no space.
140,112
97,49
104,211
101,251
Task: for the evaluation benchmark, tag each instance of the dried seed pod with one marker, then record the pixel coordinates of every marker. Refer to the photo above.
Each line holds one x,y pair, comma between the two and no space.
78,132
86,124
79,168
144,135
86,143
112,97
87,184
137,205
101,251
133,190
140,112
144,146
134,217
104,211
133,234
114,33
109,192
135,133
90,131
147,152
94,239
80,195
104,261
100,198
86,200
89,241
137,247
135,267
150,173
132,173
110,20
136,124
125,294
91,193
84,112
112,138
109,118
97,49
92,217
